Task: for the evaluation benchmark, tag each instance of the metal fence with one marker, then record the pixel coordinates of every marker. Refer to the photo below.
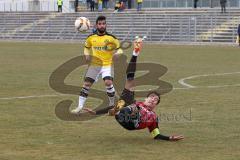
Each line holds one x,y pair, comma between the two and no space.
157,27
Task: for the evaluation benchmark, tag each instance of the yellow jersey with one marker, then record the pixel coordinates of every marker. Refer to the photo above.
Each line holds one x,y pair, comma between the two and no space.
103,47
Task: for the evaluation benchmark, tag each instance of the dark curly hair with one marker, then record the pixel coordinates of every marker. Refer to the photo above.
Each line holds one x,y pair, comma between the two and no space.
155,93
100,18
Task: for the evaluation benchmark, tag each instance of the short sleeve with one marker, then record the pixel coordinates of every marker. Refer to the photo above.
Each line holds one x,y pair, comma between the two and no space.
88,43
116,43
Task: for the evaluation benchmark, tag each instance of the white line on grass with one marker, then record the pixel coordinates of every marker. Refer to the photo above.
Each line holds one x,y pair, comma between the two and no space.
182,80
36,96
56,95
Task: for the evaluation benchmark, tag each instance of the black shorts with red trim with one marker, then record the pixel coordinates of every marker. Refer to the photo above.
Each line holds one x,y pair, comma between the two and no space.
126,118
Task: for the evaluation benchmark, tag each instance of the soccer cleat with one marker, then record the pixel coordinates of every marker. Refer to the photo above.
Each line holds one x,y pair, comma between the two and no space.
138,44
76,110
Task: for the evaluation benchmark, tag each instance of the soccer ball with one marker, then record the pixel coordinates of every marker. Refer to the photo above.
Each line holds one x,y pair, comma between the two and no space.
82,24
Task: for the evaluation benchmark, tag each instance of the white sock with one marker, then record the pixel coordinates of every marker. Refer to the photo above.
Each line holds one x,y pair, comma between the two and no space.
111,92
111,101
81,102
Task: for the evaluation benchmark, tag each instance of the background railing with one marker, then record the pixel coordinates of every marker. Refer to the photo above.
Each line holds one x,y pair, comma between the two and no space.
178,27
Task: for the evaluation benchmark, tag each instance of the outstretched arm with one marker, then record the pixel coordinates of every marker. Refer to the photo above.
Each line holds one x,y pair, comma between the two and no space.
169,138
154,130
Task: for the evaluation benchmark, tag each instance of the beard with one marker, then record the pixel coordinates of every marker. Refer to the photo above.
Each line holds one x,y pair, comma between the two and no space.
101,30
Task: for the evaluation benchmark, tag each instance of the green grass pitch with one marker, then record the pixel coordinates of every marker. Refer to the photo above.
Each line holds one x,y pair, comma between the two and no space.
207,115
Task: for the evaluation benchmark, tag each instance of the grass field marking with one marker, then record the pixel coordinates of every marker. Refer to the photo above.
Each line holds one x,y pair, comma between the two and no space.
183,83
55,95
179,88
233,85
33,96
49,95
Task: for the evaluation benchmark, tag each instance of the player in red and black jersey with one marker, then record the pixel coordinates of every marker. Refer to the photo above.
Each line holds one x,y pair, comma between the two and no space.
134,115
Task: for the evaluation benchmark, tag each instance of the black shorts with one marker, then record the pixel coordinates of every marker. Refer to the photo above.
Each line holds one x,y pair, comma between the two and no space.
125,117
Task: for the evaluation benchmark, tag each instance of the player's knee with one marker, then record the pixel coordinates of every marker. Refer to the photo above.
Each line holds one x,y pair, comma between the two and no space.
87,85
108,82
108,78
88,82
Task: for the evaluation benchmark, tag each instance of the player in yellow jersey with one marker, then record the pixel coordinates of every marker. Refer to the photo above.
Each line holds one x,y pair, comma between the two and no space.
100,49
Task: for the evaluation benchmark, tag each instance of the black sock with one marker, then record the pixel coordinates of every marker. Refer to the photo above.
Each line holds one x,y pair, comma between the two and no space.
131,68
